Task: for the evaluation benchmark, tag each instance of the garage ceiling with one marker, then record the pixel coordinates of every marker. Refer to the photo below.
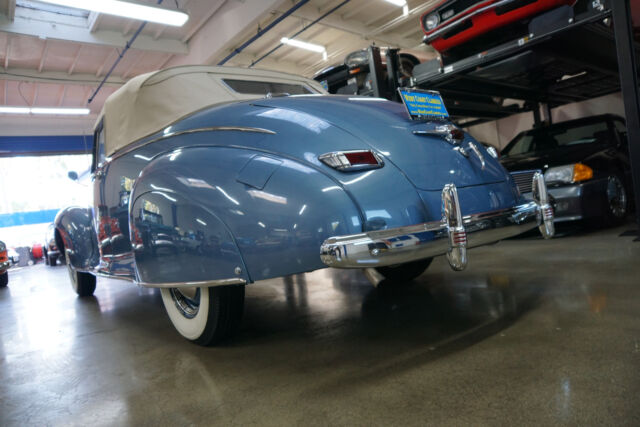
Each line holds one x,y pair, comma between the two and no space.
54,56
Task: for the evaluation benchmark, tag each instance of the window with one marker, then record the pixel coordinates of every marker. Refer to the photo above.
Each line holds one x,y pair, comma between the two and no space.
558,137
621,127
98,146
254,87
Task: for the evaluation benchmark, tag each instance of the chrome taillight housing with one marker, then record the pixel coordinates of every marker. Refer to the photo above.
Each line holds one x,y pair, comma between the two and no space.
354,160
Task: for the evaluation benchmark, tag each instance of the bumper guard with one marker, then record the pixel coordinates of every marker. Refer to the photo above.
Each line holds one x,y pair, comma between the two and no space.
450,236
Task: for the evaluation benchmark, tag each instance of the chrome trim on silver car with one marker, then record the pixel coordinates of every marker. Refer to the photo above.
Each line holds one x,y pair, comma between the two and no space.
450,236
457,21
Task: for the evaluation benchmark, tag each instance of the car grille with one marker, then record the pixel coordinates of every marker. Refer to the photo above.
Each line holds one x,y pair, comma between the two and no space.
524,180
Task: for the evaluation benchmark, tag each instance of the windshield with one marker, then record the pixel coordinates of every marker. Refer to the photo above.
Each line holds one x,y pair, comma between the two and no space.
552,138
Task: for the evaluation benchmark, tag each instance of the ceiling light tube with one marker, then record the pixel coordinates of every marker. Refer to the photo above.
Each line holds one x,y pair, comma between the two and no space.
127,9
399,3
303,45
45,110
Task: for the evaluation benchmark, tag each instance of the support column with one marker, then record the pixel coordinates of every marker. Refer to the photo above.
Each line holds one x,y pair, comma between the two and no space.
627,67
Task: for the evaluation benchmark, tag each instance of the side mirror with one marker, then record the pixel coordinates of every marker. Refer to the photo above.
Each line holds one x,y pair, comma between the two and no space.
73,176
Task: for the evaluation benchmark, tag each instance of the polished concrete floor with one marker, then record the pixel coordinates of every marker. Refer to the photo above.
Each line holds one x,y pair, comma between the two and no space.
533,332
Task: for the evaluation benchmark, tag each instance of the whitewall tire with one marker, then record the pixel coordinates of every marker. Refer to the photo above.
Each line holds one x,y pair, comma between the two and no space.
204,315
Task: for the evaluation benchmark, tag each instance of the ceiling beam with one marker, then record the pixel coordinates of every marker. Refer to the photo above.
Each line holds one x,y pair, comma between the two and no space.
82,35
75,60
356,10
413,14
58,77
245,59
203,20
129,70
8,8
43,56
233,23
94,20
63,94
355,27
7,52
106,61
35,94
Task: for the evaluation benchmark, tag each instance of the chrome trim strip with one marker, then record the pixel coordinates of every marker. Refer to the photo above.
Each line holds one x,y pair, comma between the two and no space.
541,197
436,34
135,146
201,284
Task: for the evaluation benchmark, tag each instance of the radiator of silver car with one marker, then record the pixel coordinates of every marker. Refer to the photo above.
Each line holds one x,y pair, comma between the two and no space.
524,180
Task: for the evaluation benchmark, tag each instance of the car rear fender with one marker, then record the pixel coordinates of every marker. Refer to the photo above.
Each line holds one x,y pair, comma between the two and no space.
261,215
75,236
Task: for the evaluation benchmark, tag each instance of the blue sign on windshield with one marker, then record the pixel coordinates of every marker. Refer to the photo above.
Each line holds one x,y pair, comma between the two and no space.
423,104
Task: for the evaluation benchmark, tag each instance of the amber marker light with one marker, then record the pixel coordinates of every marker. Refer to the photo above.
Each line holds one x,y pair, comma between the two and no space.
582,172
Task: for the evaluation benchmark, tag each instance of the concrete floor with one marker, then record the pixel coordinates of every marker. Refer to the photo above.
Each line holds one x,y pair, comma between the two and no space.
533,332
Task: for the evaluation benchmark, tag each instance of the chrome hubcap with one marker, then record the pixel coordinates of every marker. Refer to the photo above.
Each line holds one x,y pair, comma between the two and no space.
617,197
187,301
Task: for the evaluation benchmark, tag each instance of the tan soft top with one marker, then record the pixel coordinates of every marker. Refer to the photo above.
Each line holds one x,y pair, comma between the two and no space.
150,102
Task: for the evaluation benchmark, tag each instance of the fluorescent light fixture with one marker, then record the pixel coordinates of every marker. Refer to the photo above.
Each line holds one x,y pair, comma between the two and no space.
303,45
44,110
66,111
405,10
399,3
127,9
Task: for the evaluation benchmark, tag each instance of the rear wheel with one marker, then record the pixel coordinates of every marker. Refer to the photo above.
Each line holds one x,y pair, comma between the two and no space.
205,315
405,272
4,279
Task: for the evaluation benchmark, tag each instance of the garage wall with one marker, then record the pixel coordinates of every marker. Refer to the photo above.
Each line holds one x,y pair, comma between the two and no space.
500,132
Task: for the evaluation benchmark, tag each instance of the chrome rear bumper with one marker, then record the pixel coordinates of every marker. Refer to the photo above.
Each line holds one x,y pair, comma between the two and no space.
450,236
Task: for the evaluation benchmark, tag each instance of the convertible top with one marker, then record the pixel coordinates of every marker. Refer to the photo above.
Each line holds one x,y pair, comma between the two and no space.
150,102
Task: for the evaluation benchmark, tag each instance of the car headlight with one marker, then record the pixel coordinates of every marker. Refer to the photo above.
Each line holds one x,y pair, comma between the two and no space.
431,21
568,174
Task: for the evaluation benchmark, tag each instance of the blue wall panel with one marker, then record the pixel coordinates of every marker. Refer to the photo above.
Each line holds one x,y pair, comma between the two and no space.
35,145
27,218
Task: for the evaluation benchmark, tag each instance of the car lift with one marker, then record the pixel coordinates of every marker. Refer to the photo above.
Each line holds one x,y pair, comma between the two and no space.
564,59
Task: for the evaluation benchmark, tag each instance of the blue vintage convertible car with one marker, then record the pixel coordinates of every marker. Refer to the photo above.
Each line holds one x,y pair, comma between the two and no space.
207,179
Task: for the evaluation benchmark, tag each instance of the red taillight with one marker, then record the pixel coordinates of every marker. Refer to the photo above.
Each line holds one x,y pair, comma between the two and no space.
361,158
352,160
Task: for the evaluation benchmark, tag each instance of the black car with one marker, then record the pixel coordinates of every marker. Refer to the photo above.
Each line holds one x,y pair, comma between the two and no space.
585,163
50,250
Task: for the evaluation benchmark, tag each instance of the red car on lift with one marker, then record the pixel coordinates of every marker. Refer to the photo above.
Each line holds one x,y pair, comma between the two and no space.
450,25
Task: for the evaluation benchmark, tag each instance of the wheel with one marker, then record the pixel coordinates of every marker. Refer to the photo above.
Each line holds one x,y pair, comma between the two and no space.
83,283
51,260
4,279
205,315
405,272
617,201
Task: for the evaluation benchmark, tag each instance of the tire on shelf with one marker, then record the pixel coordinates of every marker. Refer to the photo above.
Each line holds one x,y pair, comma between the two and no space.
204,315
